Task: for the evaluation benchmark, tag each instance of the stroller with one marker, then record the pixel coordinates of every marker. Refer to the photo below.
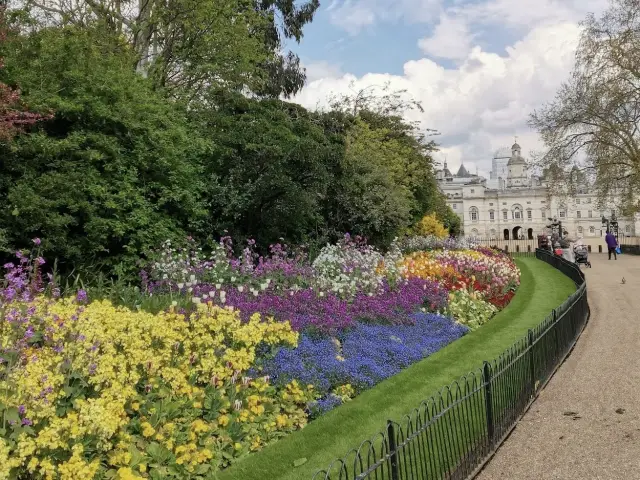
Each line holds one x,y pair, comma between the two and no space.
581,253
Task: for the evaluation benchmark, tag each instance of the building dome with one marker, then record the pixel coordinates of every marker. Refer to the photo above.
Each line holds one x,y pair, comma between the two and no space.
515,146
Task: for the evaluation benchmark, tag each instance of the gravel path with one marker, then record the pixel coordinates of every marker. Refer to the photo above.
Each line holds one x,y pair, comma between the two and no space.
586,424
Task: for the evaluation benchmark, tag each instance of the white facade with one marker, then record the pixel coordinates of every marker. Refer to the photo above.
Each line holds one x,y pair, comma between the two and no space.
520,205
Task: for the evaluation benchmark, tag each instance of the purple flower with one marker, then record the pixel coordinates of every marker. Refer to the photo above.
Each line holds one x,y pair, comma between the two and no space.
36,241
27,422
22,409
81,297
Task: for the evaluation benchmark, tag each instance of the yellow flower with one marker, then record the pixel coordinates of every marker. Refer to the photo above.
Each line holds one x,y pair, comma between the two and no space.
223,421
147,429
282,420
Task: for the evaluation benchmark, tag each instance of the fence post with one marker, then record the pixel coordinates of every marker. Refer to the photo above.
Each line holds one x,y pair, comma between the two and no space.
393,451
555,331
488,400
532,363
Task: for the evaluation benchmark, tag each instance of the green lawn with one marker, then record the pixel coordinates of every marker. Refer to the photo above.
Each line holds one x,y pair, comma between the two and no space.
542,289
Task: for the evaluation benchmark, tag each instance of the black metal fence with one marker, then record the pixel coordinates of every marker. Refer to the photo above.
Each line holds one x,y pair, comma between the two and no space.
515,248
454,433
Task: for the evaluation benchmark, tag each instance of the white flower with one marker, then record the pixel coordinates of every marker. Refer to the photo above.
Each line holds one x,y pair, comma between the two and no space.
195,300
241,289
174,304
181,285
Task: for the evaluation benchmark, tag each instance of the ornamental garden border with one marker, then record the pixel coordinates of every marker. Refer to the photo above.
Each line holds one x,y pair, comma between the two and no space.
455,433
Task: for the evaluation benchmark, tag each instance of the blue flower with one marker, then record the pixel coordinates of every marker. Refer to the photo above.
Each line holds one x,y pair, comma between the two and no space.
363,357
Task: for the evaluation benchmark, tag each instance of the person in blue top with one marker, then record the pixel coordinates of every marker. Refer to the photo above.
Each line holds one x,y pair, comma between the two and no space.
612,243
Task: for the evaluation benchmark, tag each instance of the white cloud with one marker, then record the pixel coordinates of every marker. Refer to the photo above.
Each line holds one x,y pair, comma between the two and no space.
451,39
479,105
321,69
526,13
355,15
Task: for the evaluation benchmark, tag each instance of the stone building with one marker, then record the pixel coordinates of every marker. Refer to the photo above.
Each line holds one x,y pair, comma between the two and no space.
520,205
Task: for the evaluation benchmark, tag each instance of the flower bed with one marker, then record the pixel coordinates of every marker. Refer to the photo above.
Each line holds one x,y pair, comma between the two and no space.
238,351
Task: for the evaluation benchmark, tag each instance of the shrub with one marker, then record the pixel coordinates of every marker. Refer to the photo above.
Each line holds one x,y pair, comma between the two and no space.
430,225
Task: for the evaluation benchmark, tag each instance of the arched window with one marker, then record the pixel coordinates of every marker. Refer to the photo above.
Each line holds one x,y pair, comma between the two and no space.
473,213
492,233
517,212
474,233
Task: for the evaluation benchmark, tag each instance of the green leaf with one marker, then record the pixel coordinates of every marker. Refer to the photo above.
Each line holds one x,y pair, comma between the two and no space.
11,415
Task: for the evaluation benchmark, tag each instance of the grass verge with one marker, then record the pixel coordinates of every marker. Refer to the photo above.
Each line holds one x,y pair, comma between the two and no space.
542,289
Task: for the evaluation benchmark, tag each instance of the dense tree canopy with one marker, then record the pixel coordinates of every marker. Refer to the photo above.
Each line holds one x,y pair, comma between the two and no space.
124,163
189,45
114,172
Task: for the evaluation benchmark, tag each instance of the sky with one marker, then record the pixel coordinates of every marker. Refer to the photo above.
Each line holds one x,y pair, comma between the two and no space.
479,67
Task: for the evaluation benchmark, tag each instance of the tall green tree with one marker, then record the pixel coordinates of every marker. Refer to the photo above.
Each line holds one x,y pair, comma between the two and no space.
188,46
114,172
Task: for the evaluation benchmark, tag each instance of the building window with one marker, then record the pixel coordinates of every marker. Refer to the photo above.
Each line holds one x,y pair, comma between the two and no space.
493,233
473,190
592,230
517,214
577,201
543,201
504,203
474,214
589,200
562,214
578,214
492,216
455,206
505,214
627,229
491,204
590,214
544,213
529,215
580,230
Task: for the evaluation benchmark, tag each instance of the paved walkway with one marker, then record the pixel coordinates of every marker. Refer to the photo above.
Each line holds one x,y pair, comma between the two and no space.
586,424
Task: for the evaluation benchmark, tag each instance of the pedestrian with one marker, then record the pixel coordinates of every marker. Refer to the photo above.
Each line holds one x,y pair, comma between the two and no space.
612,244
